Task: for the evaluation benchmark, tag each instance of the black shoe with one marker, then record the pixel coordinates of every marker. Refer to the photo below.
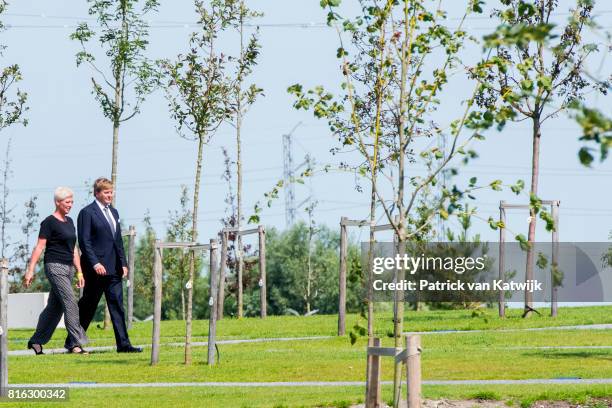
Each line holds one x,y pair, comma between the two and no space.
81,350
38,348
129,349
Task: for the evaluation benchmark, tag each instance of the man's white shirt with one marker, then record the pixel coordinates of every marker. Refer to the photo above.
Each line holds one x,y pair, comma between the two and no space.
110,214
102,207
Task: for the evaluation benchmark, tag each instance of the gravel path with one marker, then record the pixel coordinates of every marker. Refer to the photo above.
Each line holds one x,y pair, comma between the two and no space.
196,344
265,340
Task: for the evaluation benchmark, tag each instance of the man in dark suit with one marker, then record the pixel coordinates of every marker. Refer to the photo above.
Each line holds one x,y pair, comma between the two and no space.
103,262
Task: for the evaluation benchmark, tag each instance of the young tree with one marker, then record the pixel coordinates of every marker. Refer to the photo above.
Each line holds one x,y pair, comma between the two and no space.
231,260
121,87
12,101
6,210
310,274
21,256
535,72
387,111
176,262
242,99
143,271
199,89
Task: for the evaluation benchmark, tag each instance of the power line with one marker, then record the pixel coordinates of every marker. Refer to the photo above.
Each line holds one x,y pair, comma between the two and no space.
263,24
187,26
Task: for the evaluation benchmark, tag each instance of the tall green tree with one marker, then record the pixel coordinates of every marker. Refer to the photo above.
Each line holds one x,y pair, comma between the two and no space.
288,271
199,86
534,72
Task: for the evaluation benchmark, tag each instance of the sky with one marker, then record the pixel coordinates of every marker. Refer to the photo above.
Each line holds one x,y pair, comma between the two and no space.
68,140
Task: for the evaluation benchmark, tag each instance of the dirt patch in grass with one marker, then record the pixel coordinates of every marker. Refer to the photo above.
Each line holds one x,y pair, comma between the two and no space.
592,403
444,403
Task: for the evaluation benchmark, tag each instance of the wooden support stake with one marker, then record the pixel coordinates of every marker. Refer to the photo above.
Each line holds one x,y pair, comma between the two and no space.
157,283
383,227
413,371
4,291
373,384
243,232
555,258
212,321
222,269
342,278
263,293
354,223
131,265
239,253
502,274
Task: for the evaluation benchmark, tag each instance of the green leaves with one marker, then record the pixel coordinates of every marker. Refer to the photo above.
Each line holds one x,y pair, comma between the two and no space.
548,219
535,203
12,102
542,261
122,33
523,243
527,85
495,224
496,185
320,101
544,82
519,34
585,156
518,187
330,3
526,9
596,129
476,6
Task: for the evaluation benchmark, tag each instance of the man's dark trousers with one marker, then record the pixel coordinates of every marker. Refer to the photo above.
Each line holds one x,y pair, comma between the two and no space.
112,288
100,244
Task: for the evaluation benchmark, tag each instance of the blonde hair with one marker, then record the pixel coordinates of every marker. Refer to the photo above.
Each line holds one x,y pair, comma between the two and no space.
62,193
102,183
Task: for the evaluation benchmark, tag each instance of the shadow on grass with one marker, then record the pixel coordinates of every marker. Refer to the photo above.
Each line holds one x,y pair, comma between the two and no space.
559,354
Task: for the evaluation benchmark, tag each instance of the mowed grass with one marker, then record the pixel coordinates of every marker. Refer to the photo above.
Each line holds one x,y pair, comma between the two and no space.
326,325
263,397
445,357
489,354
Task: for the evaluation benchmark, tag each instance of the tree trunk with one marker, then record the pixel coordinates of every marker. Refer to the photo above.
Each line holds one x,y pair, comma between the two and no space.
372,241
239,255
309,272
398,310
194,238
535,170
183,301
107,319
222,267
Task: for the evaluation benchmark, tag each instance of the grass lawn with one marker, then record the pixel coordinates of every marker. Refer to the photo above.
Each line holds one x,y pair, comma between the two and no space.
262,397
326,325
480,355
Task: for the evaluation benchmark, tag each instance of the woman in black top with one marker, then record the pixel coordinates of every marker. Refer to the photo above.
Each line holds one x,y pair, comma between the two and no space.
57,237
